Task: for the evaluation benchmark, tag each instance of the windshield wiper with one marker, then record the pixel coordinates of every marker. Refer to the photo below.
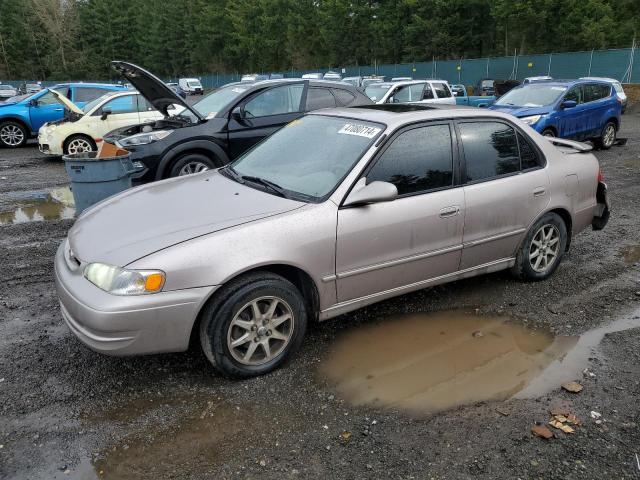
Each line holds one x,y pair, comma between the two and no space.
274,187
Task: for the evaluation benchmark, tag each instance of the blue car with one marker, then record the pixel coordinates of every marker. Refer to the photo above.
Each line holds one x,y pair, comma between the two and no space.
21,117
576,109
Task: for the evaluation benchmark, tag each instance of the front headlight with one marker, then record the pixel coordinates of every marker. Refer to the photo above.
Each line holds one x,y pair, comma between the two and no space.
143,138
120,281
531,120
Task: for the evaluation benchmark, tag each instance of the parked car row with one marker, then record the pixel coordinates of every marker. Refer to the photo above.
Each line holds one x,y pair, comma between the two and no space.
337,209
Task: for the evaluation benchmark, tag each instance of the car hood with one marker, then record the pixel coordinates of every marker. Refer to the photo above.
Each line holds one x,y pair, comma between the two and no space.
67,103
146,219
152,88
520,111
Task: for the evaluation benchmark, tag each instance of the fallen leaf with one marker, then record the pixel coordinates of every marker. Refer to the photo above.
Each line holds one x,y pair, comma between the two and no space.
541,431
571,418
560,418
502,411
573,387
345,436
559,411
561,426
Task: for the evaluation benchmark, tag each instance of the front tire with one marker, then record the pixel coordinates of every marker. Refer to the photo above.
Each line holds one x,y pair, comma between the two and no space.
13,134
548,132
79,144
253,326
542,249
191,163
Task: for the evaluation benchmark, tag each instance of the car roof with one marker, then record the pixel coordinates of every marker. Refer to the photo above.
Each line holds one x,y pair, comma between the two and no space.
401,83
396,115
89,85
602,79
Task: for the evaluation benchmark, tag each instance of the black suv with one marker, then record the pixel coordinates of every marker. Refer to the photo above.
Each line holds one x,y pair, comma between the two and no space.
222,125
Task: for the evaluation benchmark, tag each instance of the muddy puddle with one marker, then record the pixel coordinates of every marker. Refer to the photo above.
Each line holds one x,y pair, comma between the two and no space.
630,254
203,430
425,363
56,204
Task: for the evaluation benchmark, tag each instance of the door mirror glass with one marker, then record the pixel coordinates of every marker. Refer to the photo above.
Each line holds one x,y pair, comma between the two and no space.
105,113
569,104
375,192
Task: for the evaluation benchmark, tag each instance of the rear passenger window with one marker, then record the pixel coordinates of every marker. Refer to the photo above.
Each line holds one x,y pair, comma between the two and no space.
320,98
490,150
442,91
418,160
529,158
595,91
343,97
86,94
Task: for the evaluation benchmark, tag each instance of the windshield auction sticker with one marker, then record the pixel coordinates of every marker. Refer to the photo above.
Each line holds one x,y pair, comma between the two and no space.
359,130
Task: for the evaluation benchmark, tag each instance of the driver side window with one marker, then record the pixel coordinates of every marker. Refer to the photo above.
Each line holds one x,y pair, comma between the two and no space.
575,94
48,99
275,101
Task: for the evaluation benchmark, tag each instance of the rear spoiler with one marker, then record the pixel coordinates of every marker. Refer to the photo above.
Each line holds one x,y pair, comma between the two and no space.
579,146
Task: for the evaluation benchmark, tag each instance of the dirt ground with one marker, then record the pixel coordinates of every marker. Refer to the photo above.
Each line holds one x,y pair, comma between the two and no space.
67,412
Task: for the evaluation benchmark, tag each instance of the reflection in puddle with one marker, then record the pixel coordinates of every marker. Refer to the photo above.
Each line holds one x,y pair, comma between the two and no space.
428,363
40,206
630,254
205,434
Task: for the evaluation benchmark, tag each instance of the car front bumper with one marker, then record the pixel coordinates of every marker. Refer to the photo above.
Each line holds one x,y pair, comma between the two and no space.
125,325
48,145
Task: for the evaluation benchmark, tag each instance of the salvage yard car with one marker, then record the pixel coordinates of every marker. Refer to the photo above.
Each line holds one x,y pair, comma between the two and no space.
222,125
22,117
82,130
7,91
577,109
411,91
340,209
462,98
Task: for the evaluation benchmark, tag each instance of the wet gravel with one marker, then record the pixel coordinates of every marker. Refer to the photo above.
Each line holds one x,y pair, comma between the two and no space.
67,412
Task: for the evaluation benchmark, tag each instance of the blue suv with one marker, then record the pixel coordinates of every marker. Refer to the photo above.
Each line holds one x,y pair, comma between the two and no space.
577,109
21,117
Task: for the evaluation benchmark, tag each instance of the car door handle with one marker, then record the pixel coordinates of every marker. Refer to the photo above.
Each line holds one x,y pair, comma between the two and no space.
57,109
538,192
449,211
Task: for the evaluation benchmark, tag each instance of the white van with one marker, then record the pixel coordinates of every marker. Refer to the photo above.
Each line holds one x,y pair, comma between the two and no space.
191,85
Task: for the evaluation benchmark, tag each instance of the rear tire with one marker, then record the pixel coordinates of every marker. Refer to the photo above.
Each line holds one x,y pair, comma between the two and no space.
13,134
191,163
542,249
607,136
254,310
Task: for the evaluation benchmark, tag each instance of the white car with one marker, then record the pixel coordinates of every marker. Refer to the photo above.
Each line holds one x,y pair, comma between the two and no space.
7,91
82,129
191,85
411,91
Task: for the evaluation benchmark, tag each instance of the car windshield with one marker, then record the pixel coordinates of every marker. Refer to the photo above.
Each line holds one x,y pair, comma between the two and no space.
375,92
194,83
532,95
308,157
216,101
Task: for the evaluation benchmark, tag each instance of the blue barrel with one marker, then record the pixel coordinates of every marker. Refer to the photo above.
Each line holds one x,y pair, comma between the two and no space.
93,178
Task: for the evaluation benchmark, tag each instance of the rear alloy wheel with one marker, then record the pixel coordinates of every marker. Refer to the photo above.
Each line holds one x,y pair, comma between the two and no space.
607,137
253,325
79,144
549,133
542,249
190,164
12,134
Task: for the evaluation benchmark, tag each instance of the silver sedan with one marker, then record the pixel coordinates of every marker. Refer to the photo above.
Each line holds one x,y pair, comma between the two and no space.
337,210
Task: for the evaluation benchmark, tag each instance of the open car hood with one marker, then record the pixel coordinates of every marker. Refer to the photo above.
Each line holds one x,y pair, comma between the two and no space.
152,88
67,103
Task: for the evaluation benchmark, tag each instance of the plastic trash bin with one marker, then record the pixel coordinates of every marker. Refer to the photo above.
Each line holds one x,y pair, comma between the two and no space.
95,177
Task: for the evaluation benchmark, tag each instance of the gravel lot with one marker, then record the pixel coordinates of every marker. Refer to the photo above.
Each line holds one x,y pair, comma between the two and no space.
67,412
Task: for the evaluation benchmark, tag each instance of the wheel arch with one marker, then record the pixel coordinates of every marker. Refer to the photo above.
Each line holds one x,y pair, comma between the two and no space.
19,120
613,120
296,275
203,147
550,127
68,138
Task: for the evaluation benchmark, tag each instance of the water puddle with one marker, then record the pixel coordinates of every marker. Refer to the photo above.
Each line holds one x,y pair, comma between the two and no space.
630,254
202,431
426,363
56,204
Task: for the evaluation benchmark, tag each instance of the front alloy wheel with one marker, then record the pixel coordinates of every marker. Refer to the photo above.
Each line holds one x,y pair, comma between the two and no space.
193,167
12,135
79,145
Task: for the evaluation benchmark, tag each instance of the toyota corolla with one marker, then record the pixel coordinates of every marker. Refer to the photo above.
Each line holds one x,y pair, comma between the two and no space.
339,209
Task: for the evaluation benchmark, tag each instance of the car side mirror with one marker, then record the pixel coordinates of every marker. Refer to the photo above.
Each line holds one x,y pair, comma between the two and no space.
33,103
375,192
568,104
105,113
237,114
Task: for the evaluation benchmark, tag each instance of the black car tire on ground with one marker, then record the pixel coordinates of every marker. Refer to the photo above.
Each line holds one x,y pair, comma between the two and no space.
8,129
227,305
523,268
548,132
190,158
607,137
